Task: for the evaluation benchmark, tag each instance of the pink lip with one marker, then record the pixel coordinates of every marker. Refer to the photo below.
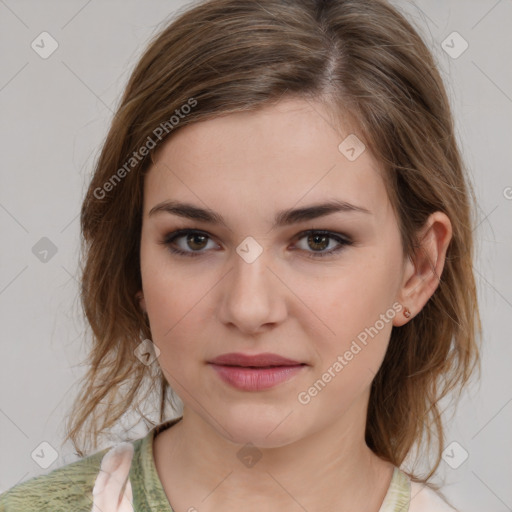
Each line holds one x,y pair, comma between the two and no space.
257,372
264,359
256,379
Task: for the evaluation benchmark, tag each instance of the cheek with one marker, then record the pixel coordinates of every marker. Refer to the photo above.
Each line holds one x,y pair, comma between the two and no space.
175,301
172,310
173,305
356,306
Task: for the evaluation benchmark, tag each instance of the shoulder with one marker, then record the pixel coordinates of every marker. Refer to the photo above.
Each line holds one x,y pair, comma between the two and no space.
70,487
426,499
66,488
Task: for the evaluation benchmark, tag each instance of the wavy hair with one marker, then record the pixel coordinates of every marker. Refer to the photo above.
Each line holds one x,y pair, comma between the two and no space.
371,67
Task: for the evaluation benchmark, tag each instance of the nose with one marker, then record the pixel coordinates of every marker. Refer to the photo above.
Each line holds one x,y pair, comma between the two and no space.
252,297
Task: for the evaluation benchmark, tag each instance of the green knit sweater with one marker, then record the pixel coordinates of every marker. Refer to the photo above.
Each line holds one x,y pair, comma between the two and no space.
69,488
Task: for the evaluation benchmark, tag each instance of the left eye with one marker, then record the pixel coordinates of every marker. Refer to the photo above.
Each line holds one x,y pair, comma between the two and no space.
318,240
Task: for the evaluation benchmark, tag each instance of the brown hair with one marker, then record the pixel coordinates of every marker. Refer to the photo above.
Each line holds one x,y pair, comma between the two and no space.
367,62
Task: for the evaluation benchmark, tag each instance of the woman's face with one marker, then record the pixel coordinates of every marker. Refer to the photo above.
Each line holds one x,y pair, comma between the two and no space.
259,283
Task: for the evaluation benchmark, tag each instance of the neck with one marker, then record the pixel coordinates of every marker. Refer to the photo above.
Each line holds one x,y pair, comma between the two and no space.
331,468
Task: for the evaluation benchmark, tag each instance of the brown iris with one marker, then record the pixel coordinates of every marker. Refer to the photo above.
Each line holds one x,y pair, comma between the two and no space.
325,238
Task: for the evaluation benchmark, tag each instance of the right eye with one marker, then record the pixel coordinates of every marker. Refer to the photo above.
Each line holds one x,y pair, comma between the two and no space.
193,239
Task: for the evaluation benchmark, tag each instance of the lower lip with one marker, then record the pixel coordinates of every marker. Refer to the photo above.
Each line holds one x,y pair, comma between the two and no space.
255,379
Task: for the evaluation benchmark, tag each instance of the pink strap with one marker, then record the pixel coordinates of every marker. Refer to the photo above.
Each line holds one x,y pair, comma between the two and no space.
112,490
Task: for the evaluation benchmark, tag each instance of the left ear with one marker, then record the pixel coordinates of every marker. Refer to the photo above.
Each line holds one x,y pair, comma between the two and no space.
423,270
142,302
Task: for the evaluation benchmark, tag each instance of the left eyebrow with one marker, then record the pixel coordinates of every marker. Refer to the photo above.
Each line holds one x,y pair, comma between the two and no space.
282,218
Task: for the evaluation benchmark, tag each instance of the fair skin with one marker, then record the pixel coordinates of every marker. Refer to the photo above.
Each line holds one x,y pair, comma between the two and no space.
247,167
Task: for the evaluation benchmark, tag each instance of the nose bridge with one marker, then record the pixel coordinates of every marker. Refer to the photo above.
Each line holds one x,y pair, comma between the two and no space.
250,293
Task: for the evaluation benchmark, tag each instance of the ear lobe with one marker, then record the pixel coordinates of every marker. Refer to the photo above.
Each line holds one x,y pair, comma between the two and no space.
142,303
423,271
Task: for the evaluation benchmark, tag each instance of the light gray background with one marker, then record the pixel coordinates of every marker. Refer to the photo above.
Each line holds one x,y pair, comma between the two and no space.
54,115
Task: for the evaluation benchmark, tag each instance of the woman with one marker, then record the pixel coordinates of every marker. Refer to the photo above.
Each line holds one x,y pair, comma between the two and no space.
279,229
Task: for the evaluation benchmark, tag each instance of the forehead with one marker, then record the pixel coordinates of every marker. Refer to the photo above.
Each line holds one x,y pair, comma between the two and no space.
264,160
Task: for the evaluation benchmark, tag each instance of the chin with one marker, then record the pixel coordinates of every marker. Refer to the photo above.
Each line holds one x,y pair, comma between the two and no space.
268,430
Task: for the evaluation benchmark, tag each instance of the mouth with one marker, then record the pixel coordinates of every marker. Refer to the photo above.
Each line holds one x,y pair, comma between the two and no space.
256,378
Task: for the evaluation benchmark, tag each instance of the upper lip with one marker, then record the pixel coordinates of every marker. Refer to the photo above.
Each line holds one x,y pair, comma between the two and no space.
265,359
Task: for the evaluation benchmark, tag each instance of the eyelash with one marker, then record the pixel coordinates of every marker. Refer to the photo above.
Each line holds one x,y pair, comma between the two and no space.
338,237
